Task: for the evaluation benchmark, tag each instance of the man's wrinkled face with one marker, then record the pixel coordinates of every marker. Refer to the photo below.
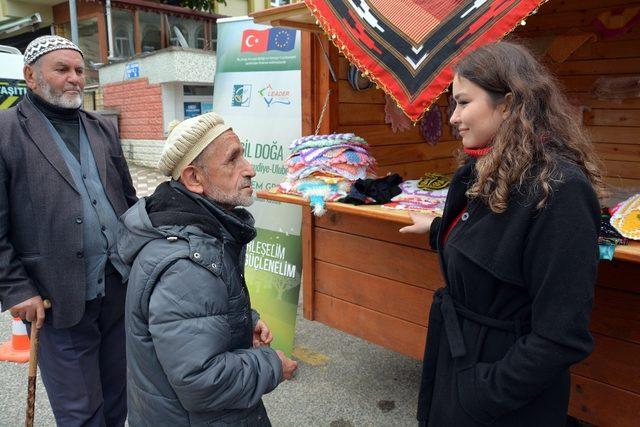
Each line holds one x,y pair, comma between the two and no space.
58,78
227,174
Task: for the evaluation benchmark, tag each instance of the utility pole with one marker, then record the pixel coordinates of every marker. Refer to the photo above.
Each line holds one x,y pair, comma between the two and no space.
73,19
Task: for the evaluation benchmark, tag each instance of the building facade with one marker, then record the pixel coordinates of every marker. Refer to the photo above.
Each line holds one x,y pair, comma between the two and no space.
149,63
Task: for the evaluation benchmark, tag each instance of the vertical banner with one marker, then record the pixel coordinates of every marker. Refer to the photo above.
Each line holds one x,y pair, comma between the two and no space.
257,90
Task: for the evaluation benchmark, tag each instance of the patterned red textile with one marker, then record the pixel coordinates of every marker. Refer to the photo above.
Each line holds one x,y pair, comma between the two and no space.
408,47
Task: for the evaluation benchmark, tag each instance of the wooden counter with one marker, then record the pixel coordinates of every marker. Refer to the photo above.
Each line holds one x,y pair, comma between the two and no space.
630,252
362,276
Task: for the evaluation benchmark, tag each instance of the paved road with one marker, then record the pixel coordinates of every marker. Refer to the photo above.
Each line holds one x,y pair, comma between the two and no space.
342,380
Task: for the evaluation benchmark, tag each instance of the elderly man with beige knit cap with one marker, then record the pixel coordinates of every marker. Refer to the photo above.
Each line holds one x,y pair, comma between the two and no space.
197,354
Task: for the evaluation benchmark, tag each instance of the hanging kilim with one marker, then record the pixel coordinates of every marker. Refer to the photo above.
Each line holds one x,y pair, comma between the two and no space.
408,47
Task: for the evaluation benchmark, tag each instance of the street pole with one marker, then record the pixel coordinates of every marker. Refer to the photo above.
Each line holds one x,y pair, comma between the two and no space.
107,10
73,19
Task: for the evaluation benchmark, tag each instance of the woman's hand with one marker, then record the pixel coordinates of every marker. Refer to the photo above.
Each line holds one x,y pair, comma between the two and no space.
421,223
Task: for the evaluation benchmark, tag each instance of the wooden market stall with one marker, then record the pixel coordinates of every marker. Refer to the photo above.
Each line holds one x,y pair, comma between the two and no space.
363,277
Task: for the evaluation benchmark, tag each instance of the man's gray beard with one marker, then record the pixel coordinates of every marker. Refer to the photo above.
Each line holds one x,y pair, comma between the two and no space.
47,93
232,200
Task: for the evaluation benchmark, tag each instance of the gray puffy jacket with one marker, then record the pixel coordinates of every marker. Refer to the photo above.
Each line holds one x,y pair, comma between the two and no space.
188,318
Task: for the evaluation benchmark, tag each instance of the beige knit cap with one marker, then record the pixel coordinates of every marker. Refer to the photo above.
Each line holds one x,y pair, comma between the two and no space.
187,140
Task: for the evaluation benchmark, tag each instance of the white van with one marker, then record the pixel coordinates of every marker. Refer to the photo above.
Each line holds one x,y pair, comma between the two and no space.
12,85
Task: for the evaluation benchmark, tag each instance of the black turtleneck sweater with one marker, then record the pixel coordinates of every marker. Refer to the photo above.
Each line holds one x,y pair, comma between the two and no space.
64,120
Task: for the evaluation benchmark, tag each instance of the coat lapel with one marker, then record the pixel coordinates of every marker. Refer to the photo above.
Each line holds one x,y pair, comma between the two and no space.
95,138
39,133
456,198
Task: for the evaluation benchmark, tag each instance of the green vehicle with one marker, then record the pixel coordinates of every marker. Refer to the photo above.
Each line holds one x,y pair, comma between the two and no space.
12,85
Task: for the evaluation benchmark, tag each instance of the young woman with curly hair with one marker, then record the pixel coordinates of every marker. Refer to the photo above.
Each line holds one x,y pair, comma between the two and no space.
518,250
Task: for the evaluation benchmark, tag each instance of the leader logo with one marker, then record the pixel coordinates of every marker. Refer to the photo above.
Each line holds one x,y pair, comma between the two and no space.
241,96
273,96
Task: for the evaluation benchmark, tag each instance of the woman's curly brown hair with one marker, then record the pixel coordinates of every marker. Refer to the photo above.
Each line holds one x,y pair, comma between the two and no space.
540,129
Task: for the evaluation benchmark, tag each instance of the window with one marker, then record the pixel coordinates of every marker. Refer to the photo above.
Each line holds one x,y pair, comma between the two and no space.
200,42
198,90
122,33
88,42
150,31
280,2
214,35
182,34
121,41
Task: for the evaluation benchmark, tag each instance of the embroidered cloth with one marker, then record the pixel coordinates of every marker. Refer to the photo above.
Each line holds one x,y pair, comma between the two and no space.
407,47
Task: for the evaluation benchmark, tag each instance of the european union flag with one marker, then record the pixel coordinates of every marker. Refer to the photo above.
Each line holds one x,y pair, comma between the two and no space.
281,39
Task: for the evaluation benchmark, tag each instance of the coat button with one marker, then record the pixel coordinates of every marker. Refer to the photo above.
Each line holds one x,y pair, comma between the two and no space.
196,255
78,220
214,265
465,216
79,254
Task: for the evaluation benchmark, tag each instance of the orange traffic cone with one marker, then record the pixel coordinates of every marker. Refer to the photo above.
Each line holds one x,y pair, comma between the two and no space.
16,350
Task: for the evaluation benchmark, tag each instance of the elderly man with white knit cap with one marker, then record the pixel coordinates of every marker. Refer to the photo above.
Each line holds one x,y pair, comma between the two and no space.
197,354
63,185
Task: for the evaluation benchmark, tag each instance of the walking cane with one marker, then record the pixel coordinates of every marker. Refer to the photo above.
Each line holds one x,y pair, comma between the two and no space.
34,341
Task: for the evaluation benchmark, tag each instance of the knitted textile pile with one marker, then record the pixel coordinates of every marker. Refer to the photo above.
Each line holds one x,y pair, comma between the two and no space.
414,198
322,167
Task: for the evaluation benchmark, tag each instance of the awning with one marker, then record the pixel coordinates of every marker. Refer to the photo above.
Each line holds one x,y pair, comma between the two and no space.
296,16
11,25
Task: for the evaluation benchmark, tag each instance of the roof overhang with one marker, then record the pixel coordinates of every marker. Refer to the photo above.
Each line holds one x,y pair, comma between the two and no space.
296,16
13,25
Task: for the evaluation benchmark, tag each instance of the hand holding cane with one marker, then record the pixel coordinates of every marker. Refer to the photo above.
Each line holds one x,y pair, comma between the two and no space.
33,370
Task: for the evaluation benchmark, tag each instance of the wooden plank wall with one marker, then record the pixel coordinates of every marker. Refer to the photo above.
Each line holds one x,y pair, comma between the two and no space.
613,125
373,282
377,284
406,153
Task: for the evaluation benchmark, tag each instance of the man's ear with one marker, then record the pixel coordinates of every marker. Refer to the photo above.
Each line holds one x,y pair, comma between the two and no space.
29,76
193,179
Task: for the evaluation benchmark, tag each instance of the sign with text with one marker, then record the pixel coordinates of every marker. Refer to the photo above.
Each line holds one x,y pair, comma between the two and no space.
257,91
132,70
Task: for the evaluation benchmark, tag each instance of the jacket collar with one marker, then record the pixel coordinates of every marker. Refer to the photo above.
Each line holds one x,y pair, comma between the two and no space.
457,196
38,131
172,204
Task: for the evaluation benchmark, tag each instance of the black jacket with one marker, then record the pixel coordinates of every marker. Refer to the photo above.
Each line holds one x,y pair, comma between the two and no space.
514,314
40,236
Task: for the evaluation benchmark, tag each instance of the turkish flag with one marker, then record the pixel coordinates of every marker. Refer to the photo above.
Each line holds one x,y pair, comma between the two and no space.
255,41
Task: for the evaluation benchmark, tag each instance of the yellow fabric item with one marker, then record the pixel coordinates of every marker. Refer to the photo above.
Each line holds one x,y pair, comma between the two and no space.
433,181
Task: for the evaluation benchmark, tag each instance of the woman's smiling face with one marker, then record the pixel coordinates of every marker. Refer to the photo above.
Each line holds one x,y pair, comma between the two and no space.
476,116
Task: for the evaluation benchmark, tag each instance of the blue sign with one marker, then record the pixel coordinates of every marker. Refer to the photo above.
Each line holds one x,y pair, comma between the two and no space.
192,109
132,70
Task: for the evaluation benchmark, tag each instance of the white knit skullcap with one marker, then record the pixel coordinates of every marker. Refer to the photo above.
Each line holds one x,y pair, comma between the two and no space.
46,44
187,140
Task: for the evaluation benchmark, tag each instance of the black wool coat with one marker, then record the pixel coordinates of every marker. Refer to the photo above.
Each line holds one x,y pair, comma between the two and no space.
514,314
